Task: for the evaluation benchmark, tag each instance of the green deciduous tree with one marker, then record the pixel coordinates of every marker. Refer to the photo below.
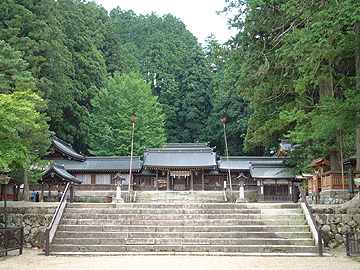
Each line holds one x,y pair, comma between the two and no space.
24,132
125,96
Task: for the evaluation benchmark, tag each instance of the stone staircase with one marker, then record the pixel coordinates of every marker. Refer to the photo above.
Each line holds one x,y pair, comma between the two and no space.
183,228
180,196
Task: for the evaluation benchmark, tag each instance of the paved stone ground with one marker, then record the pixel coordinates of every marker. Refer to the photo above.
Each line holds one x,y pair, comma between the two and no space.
32,260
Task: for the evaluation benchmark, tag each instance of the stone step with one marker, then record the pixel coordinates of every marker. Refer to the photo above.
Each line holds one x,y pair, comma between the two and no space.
175,216
180,196
183,222
183,241
180,234
183,227
154,211
186,205
206,228
186,248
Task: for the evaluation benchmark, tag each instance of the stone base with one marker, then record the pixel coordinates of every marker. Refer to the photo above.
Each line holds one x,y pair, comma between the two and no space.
121,200
241,200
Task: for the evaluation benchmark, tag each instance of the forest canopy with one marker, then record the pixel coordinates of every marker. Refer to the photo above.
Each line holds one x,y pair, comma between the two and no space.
291,72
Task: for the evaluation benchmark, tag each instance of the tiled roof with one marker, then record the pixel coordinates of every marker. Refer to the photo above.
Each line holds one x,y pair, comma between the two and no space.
61,172
181,156
243,163
66,149
101,164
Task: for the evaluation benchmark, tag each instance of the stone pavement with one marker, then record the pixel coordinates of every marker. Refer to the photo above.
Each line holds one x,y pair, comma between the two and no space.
32,260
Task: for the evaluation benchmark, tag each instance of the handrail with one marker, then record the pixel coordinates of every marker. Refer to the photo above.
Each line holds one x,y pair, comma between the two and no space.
225,197
51,229
19,241
319,231
352,243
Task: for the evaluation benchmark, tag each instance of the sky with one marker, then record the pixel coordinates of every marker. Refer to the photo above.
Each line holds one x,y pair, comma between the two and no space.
199,16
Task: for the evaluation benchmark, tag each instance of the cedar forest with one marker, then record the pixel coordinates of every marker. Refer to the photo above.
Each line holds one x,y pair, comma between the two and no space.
72,69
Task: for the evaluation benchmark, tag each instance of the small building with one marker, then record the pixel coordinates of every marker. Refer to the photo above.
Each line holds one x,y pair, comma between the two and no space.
329,186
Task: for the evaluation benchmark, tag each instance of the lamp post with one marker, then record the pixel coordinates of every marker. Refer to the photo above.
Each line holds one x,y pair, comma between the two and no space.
133,119
223,120
4,180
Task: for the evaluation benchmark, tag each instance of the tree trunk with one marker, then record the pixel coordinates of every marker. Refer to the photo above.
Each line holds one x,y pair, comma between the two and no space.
357,67
335,162
26,185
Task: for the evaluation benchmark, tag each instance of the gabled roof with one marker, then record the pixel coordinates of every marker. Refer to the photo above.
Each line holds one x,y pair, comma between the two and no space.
180,156
57,174
272,170
243,163
65,149
102,164
320,162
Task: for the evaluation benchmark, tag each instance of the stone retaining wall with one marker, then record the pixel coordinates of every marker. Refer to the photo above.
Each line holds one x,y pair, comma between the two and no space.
34,217
335,222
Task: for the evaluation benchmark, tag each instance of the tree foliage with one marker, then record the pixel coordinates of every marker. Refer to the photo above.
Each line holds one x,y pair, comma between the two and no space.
125,96
24,132
295,62
67,49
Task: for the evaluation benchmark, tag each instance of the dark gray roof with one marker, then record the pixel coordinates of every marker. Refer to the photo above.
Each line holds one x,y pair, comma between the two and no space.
181,156
270,170
243,163
186,145
60,172
102,164
66,149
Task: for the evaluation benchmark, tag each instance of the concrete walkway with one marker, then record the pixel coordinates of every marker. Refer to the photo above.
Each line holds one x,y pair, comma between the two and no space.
32,260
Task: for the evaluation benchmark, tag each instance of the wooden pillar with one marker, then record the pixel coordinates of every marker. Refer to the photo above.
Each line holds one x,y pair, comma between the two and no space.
202,180
167,180
49,191
191,180
93,181
156,180
316,187
42,192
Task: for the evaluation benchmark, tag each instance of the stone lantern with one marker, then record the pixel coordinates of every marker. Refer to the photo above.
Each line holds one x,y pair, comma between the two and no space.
241,180
118,183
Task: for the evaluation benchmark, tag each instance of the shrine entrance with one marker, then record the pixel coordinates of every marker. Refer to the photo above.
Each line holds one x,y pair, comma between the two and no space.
180,180
180,184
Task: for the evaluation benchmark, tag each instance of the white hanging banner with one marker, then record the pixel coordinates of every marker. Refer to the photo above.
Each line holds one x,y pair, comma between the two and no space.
179,173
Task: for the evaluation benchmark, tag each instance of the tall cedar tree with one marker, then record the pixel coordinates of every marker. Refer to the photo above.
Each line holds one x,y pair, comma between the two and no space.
295,61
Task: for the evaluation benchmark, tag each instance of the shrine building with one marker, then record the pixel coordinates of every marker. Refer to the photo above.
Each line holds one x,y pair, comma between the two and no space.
177,167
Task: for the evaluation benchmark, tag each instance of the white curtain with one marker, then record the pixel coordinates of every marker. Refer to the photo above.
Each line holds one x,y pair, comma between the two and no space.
103,179
86,178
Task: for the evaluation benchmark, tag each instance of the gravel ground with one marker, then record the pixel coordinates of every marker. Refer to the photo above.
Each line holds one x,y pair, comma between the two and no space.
32,260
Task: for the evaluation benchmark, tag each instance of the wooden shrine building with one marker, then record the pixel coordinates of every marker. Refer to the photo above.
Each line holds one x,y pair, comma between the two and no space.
178,167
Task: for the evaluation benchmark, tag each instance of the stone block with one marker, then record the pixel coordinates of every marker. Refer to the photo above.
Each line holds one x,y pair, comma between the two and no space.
339,238
326,228
345,228
352,224
321,219
356,218
334,219
346,218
